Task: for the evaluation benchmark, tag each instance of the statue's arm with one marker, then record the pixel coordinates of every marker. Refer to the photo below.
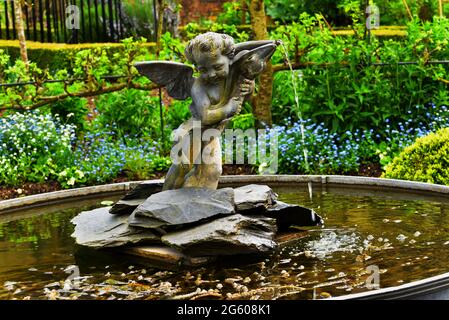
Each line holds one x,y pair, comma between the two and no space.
206,111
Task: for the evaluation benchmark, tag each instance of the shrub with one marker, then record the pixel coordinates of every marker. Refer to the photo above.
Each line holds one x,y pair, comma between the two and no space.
426,160
71,110
129,112
57,56
341,86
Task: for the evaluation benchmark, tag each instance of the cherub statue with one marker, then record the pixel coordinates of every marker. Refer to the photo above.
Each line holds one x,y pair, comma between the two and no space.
226,77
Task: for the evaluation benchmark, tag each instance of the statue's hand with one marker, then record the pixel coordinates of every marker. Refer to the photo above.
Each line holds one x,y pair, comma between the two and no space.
236,103
247,87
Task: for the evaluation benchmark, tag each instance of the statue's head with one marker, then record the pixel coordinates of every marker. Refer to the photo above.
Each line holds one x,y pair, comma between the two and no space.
211,53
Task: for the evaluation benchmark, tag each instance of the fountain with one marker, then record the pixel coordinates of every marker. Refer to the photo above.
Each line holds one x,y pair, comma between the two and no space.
382,238
190,219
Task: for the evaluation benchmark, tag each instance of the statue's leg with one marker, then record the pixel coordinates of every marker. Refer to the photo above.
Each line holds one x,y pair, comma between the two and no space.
206,173
175,176
181,154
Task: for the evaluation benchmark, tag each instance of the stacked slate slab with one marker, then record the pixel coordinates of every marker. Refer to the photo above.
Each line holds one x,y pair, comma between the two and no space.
196,221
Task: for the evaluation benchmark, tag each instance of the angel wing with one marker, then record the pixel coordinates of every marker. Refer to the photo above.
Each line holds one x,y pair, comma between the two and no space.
176,77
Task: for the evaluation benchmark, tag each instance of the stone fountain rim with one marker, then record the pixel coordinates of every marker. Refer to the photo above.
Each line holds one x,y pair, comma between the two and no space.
418,289
334,180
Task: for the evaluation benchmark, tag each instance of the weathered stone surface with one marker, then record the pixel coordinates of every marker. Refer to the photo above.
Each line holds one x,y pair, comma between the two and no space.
253,196
235,234
183,206
147,223
135,197
99,229
287,215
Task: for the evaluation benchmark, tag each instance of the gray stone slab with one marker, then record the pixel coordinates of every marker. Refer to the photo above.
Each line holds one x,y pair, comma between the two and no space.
184,206
99,229
232,235
253,196
135,197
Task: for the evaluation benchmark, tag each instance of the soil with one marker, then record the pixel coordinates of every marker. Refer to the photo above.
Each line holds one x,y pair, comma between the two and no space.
26,189
370,170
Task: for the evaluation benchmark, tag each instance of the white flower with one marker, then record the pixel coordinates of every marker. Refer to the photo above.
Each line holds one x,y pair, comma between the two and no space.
71,181
79,173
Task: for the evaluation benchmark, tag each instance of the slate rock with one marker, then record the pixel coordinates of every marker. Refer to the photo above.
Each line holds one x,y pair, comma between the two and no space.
184,206
147,223
288,215
99,229
253,196
231,235
135,197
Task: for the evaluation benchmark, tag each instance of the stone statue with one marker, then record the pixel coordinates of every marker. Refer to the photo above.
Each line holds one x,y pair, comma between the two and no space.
226,73
190,222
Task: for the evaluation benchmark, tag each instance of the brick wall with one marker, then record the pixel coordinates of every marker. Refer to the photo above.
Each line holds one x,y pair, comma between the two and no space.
192,10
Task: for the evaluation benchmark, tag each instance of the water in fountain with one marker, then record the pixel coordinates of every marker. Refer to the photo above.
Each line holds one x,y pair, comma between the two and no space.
364,227
309,185
298,108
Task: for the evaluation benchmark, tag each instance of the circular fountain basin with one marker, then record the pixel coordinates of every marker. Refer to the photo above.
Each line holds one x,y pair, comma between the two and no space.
382,239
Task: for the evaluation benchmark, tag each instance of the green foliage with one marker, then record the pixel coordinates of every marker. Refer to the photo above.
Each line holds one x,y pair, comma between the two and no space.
129,112
193,29
33,147
348,12
176,113
244,120
86,77
140,18
124,136
55,56
232,14
137,168
339,88
73,111
172,49
426,160
289,11
342,88
38,147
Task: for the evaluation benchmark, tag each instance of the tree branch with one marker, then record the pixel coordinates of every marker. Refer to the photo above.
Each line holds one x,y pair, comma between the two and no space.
82,94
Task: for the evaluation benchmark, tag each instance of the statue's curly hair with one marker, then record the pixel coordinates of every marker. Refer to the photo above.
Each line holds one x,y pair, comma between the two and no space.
210,42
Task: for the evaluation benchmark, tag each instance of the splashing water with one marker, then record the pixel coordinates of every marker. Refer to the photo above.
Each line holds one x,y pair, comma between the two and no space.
298,108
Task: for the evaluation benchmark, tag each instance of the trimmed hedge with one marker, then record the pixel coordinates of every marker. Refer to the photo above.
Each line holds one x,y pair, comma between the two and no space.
57,56
426,160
